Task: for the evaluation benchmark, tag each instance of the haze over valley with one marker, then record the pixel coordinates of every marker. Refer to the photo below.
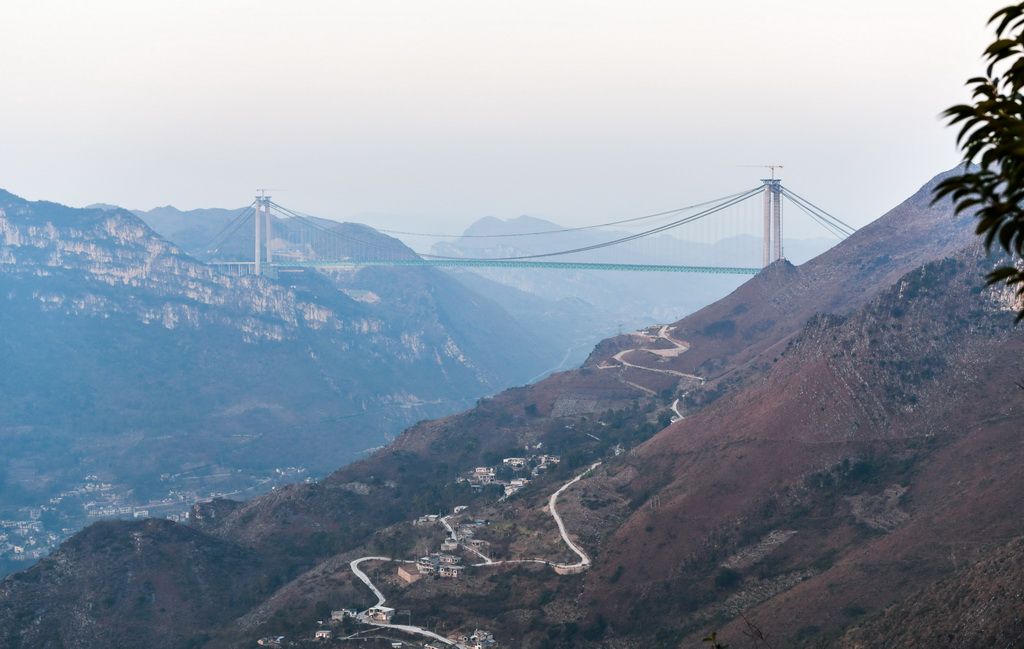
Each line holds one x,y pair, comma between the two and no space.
742,460
545,325
141,382
138,380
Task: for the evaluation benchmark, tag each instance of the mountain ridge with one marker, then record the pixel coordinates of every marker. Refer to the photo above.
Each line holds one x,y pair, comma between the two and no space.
807,465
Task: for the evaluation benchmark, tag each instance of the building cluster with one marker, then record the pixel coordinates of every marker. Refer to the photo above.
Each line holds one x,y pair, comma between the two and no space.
438,564
479,639
444,564
481,476
26,539
96,509
380,614
105,499
463,535
31,539
91,487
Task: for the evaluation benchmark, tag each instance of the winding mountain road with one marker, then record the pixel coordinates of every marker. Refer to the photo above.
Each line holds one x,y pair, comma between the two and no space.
366,580
451,533
584,559
678,347
583,563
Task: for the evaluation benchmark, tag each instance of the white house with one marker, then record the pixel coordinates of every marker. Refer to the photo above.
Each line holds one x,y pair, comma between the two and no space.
381,614
449,545
478,640
450,571
428,565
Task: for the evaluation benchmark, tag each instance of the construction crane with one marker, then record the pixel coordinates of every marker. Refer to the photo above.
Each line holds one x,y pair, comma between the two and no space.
772,167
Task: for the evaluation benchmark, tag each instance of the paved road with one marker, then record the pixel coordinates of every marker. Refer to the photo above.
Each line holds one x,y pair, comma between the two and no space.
381,599
663,333
451,533
366,580
584,559
417,630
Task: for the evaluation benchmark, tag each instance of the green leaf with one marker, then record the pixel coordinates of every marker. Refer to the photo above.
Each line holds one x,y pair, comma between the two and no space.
999,47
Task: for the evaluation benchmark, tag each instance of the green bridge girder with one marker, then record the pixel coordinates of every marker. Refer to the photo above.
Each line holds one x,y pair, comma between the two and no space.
497,263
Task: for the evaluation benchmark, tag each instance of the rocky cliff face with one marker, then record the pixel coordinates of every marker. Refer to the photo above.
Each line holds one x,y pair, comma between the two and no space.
127,360
558,321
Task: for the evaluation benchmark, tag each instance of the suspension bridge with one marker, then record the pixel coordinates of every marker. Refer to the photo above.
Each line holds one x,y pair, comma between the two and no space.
285,240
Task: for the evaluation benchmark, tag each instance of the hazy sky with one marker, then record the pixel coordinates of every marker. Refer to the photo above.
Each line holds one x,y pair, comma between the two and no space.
449,110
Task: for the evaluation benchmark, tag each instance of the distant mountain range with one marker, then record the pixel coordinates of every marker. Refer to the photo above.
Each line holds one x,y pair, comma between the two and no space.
829,454
572,325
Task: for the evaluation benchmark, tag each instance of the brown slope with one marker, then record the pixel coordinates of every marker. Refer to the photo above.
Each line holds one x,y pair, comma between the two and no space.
347,506
911,234
914,392
149,583
775,304
445,439
896,244
979,607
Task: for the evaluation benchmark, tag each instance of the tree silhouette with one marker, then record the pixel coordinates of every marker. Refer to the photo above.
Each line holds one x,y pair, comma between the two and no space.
992,138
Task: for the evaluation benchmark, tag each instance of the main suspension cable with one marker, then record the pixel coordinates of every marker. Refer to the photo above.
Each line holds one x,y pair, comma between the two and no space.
241,219
738,199
561,230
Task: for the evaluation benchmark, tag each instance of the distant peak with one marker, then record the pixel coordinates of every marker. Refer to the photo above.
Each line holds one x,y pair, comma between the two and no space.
490,225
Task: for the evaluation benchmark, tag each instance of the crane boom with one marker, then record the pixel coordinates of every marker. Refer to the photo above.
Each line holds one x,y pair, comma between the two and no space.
772,167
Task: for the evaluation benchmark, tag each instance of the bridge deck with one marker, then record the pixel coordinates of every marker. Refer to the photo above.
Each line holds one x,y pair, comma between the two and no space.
497,263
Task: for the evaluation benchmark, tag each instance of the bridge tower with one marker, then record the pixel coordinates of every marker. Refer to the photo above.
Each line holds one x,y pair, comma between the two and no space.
772,219
262,238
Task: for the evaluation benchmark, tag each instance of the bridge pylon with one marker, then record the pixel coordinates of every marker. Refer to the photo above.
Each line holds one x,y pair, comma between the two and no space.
772,220
262,238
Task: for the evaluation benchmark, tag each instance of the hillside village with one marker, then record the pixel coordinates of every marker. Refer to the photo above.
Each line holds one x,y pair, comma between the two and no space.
448,562
439,565
35,531
507,475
